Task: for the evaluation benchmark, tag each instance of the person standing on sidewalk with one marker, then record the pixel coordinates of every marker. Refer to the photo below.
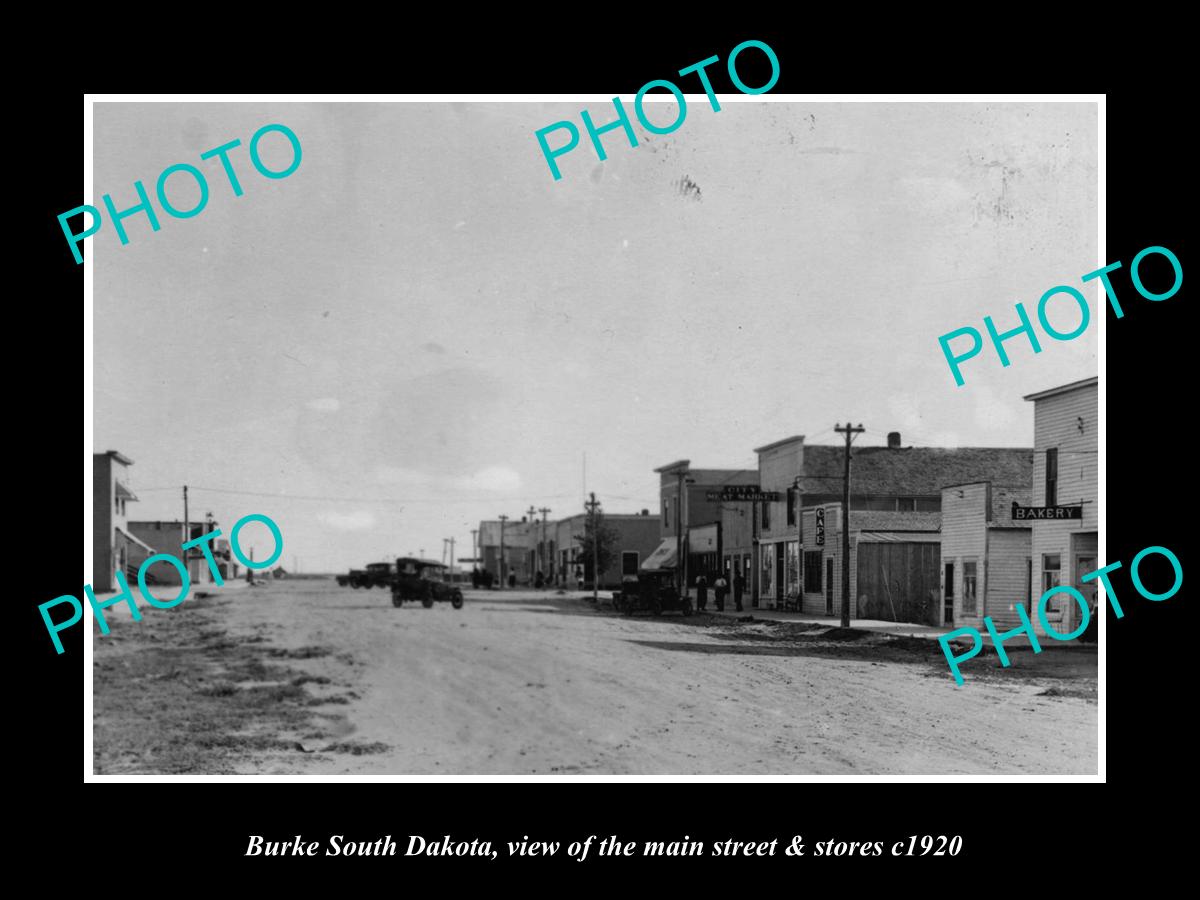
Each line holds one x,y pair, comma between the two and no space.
721,588
701,592
739,588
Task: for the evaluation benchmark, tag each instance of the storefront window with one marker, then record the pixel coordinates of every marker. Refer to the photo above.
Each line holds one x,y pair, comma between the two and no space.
792,568
1051,578
767,577
1051,571
970,581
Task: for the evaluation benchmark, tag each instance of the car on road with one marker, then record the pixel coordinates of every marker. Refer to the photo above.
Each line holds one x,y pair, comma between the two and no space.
424,580
379,575
356,579
653,591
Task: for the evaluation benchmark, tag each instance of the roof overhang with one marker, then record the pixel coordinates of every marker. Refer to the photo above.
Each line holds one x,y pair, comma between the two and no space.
678,464
1062,389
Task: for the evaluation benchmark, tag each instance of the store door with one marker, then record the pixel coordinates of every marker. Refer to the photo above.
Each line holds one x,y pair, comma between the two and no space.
829,586
948,595
1083,555
779,589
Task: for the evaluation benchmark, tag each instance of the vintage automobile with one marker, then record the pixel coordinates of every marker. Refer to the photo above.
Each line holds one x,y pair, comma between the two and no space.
357,578
651,590
343,580
379,575
424,580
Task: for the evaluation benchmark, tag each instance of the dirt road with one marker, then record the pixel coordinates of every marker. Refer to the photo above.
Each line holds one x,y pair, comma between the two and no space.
304,677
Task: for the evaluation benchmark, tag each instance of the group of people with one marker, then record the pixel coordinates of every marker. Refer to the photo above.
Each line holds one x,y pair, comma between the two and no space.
486,579
720,591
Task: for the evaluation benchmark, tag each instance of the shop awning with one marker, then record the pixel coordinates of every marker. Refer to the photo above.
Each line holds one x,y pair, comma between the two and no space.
133,540
663,557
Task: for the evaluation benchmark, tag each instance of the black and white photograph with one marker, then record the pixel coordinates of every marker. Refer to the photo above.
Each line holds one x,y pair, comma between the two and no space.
443,437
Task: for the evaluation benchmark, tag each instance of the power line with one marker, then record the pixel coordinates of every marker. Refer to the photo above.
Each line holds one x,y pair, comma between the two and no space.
211,490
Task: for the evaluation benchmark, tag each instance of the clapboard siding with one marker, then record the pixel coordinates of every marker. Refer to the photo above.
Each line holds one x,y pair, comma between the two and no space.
1069,422
1007,575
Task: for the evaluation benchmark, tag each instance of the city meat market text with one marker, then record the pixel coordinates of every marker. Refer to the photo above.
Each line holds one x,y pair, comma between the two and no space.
185,582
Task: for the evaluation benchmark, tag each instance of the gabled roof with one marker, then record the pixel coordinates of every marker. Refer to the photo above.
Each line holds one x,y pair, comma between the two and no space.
912,470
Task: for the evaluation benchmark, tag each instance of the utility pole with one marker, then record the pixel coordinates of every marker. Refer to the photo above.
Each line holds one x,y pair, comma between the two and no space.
451,556
530,533
679,576
849,431
503,575
542,548
475,548
187,533
593,508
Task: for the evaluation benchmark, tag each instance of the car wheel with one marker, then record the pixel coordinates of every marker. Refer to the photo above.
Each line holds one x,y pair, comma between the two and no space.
457,601
356,585
427,602
397,601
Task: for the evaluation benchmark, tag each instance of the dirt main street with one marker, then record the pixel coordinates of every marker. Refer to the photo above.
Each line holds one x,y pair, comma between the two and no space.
304,677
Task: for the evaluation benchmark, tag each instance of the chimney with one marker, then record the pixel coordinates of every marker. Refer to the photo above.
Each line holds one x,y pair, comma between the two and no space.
893,440
645,512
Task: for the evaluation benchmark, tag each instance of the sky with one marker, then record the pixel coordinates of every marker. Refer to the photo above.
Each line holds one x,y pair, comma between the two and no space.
420,328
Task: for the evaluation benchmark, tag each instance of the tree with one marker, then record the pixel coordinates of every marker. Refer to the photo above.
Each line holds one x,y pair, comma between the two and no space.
607,538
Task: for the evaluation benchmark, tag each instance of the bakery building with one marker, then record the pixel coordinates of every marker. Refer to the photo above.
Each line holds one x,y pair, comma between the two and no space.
1065,516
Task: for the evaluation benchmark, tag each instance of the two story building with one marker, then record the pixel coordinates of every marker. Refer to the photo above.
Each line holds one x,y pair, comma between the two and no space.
693,520
1066,438
114,547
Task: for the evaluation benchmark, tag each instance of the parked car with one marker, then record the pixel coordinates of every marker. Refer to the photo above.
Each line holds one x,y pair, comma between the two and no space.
357,578
380,575
343,580
653,591
420,579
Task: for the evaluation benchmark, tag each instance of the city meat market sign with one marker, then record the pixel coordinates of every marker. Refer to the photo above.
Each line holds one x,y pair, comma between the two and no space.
745,493
1020,513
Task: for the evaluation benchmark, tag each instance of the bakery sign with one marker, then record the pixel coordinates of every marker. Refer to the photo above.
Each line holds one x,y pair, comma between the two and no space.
1021,513
744,493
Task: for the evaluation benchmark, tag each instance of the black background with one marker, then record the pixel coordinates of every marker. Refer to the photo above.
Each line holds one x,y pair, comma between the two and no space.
200,832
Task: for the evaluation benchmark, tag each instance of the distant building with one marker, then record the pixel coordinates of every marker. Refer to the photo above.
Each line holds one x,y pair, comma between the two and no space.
637,538
169,537
113,546
516,539
712,533
1066,439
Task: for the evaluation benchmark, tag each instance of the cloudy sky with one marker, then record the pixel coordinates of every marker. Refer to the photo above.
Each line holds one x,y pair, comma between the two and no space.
420,327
